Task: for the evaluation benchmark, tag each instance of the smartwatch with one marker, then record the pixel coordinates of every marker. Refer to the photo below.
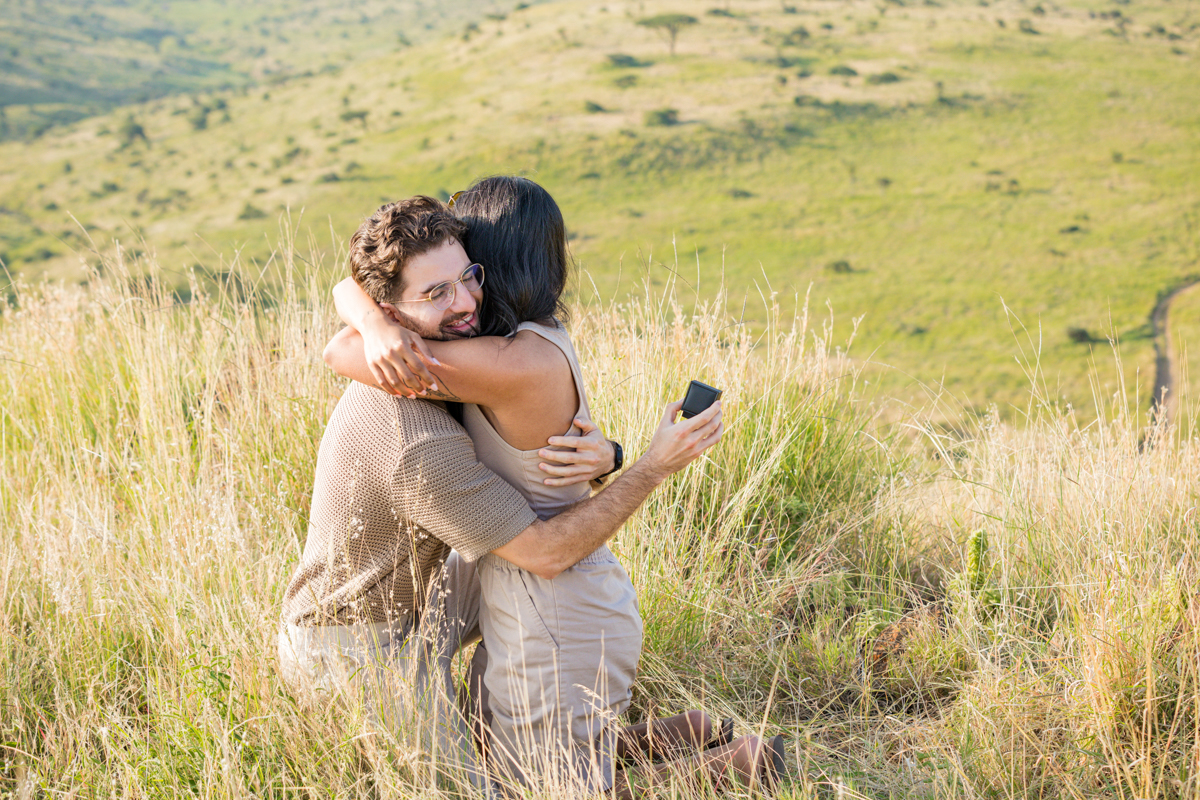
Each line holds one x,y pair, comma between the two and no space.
618,459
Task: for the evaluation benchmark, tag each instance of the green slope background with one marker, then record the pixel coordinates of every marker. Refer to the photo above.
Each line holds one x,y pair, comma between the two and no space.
979,191
63,60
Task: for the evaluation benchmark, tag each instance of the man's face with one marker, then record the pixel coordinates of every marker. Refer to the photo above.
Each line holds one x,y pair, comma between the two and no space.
443,264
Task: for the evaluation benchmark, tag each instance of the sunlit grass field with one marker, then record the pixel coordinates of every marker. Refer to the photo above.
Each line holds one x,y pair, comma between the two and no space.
985,611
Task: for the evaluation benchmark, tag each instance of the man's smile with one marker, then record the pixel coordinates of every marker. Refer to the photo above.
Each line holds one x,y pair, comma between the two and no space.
463,326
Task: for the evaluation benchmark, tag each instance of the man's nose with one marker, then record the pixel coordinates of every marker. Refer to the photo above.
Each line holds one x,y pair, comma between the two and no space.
464,303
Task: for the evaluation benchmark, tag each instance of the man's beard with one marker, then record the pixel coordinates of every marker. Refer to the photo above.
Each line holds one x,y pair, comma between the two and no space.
440,334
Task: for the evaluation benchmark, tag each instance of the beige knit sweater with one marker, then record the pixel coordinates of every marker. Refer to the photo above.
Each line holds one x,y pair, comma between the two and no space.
397,485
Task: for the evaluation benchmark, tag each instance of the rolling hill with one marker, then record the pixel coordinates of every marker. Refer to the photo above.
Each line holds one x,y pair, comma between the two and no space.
63,60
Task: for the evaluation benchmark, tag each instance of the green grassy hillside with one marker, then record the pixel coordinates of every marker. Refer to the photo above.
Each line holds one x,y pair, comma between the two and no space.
921,167
63,60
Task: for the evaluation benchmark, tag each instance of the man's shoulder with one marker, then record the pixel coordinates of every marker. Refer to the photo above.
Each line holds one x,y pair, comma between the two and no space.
370,418
384,418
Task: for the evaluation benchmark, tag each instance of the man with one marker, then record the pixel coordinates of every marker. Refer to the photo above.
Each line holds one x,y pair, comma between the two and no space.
379,600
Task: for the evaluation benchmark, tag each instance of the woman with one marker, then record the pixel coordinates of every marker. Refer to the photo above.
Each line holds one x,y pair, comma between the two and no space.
561,654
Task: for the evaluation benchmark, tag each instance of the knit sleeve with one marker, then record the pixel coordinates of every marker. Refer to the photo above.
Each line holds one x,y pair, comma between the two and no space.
440,486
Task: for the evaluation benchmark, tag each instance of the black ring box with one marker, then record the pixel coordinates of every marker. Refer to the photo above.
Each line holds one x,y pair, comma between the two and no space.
699,397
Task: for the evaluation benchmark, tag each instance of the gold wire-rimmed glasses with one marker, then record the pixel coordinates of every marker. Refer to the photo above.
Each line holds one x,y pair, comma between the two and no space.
442,295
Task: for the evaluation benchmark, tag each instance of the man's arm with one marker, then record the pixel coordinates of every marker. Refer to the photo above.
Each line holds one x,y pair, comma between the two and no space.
547,548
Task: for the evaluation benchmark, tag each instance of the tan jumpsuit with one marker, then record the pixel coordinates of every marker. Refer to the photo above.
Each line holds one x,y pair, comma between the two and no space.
561,654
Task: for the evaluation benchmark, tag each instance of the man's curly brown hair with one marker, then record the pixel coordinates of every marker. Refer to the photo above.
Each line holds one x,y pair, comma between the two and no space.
392,236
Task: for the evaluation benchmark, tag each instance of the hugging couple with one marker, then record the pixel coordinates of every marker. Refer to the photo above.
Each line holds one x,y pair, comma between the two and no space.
453,502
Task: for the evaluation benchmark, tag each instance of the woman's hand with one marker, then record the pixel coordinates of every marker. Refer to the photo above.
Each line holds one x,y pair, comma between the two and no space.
398,359
590,457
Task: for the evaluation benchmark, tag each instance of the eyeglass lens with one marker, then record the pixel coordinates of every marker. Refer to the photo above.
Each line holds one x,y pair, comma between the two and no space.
442,295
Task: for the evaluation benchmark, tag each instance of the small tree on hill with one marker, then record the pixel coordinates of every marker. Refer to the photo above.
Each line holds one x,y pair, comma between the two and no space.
131,131
198,117
350,116
668,26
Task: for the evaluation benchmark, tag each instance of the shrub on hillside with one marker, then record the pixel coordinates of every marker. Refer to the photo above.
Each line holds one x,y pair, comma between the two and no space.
627,61
786,62
350,115
197,117
662,117
1081,335
130,131
250,212
796,36
883,77
843,70
593,108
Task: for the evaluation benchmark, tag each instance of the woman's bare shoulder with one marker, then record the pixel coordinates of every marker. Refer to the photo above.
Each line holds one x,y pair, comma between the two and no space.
543,355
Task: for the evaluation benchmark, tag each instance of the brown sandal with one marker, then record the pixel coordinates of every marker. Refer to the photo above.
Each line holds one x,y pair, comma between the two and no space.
763,765
722,735
774,766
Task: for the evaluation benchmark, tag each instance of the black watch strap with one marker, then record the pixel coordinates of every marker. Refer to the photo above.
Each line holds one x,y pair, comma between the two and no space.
618,459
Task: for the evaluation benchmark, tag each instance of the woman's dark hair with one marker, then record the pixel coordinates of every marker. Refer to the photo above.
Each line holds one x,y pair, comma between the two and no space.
514,228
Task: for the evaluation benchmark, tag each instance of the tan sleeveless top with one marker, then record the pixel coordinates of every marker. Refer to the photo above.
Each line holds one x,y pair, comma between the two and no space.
520,467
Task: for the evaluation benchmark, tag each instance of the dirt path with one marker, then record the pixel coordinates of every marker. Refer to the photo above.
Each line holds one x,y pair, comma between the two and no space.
1164,397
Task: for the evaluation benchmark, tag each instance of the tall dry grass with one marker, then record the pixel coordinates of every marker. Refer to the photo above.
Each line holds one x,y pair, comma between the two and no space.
155,465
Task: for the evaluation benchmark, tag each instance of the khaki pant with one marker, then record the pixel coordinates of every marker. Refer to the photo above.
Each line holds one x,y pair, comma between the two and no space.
400,670
561,660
